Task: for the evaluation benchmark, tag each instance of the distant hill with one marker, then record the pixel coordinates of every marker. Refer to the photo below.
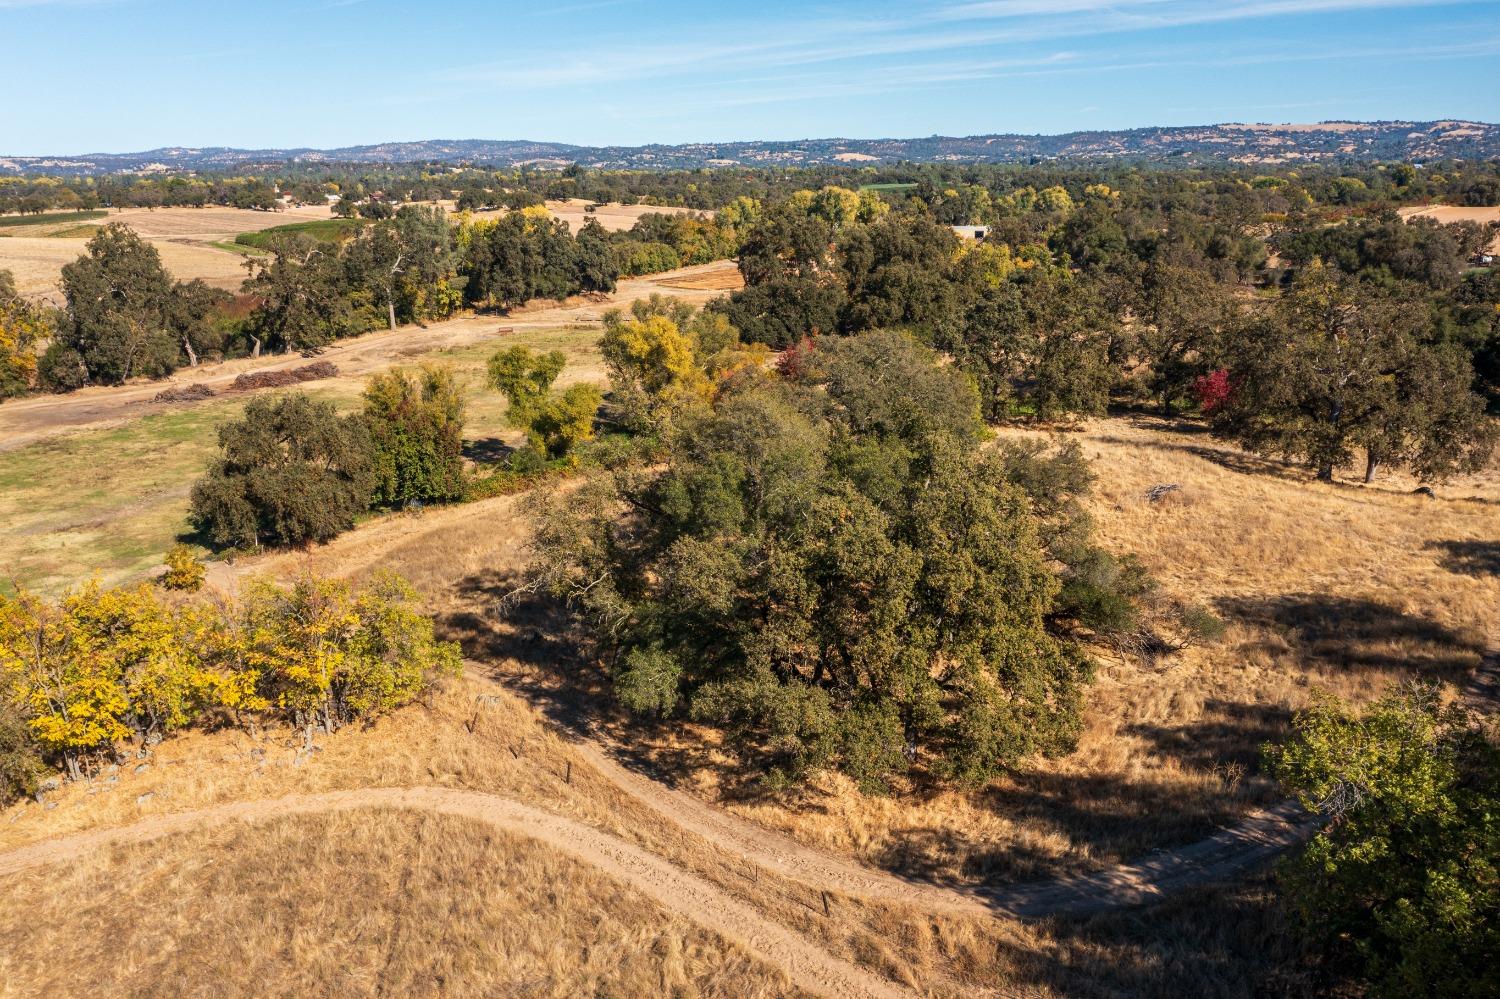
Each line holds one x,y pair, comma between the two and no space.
1236,143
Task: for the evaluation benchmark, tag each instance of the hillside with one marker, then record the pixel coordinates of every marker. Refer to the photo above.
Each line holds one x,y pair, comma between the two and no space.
1223,143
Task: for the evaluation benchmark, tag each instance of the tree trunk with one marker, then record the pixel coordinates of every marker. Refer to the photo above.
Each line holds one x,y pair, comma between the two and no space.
192,354
1371,464
390,306
255,352
1325,472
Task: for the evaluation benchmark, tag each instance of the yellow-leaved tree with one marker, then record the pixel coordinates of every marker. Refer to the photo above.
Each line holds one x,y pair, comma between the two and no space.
653,368
71,666
22,329
327,654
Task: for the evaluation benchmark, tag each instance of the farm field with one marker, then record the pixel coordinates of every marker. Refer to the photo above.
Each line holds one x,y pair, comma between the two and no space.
1457,213
613,217
186,237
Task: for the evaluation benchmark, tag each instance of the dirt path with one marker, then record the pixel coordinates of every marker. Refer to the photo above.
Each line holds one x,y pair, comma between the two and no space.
1232,851
808,966
1483,688
26,421
1248,844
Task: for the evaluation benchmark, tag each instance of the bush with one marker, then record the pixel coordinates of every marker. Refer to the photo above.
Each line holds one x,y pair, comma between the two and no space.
21,766
101,665
291,472
327,654
185,571
61,369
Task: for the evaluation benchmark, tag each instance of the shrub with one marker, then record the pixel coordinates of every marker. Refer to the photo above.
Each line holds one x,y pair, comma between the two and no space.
21,766
61,369
101,665
185,571
1212,390
291,472
328,654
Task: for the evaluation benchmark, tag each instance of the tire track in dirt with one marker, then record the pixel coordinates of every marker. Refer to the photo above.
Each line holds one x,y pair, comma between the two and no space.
808,966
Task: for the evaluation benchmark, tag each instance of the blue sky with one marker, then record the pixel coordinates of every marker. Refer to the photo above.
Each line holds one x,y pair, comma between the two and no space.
124,75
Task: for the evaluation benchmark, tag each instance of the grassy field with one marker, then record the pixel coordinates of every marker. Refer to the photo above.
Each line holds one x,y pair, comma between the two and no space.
49,218
323,230
111,502
363,903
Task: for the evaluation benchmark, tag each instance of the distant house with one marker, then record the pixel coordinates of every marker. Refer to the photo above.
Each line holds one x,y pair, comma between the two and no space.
974,232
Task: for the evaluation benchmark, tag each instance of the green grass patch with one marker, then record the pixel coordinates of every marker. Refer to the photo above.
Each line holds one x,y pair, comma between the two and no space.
888,187
74,232
238,248
50,218
323,230
110,502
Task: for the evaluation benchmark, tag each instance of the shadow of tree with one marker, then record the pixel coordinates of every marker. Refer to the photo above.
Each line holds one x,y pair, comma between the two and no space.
1470,558
535,645
1353,633
487,450
1227,739
1219,942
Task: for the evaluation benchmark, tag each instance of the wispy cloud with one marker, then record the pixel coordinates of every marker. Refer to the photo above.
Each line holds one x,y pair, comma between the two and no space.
954,29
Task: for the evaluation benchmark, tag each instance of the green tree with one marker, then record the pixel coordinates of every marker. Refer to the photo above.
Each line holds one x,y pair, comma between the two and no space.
304,301
1038,344
555,422
1404,878
290,472
120,309
598,267
833,571
1340,365
395,258
415,422
1185,312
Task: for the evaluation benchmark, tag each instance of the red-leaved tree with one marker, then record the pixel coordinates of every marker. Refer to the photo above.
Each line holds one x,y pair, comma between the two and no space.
1212,390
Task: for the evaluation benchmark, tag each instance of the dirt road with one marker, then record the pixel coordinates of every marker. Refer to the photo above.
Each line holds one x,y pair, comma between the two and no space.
807,965
26,421
1230,852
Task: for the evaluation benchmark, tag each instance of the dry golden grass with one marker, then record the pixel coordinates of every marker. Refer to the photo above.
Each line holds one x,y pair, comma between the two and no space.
1342,588
370,902
721,280
613,217
1448,214
37,263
